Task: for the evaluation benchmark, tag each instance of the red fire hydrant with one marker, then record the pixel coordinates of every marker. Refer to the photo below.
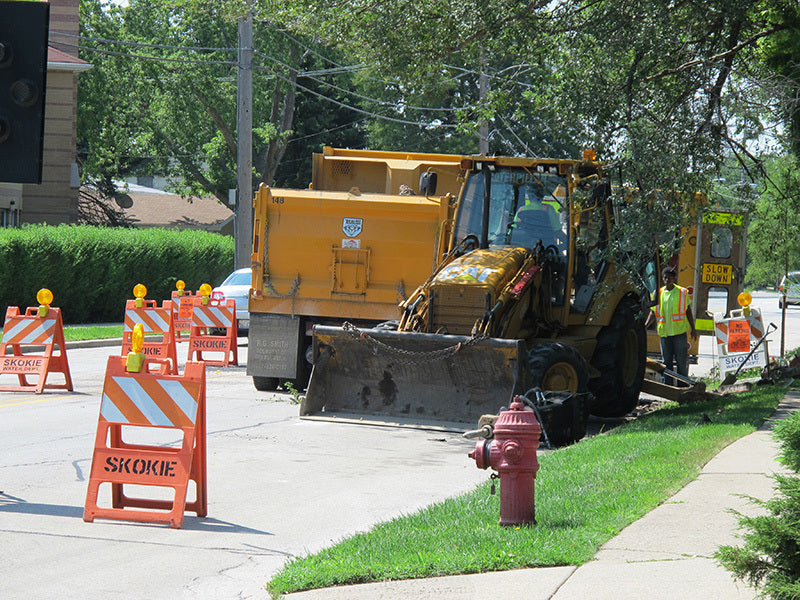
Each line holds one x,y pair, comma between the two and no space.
512,453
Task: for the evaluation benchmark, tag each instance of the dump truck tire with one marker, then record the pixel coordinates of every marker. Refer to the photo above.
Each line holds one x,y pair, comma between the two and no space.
265,384
557,367
621,357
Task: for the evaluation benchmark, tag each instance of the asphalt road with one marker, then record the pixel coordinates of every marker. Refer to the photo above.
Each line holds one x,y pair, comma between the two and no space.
278,487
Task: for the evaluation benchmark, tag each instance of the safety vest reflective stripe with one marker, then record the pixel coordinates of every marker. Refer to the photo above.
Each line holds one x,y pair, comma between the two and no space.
142,401
213,316
678,316
154,320
28,330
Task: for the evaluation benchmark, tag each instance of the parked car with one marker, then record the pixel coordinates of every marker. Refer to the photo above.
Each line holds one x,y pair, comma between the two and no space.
237,286
790,286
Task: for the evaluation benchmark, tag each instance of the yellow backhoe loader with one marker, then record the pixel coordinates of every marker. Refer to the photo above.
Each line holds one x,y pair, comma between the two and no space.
526,298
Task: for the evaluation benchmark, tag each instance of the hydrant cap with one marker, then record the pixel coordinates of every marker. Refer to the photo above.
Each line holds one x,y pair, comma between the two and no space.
517,419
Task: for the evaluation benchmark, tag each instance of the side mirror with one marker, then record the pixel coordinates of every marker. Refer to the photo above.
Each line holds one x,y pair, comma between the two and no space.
427,183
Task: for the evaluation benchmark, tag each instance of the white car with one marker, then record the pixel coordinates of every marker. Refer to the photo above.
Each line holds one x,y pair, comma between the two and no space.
791,283
237,286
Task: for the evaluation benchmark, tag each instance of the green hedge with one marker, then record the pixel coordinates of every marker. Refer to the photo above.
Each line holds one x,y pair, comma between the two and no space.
92,270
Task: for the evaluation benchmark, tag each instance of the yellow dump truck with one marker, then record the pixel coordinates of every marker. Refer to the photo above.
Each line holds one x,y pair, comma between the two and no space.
370,229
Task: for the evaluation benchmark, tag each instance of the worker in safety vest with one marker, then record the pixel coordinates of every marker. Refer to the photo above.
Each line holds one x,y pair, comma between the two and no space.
674,319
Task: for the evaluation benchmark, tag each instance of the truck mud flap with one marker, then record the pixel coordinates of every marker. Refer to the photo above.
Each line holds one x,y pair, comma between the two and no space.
414,375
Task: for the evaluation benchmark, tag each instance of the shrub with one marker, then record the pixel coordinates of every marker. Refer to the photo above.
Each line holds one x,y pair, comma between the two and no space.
92,270
770,557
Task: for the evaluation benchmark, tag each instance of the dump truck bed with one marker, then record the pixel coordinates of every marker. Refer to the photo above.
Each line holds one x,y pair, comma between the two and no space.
336,254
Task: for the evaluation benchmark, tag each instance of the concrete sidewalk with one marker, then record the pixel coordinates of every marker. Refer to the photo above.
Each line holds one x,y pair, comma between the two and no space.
667,554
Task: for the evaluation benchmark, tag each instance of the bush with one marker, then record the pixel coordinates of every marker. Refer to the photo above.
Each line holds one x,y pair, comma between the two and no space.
92,270
770,557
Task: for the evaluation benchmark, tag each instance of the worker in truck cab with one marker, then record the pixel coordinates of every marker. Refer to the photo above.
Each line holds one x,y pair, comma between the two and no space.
673,315
537,220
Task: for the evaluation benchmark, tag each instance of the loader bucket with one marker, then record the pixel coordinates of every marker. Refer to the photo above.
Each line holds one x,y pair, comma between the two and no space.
415,375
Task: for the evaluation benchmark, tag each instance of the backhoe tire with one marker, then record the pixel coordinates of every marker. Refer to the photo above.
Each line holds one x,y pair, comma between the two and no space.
621,357
557,367
554,366
265,384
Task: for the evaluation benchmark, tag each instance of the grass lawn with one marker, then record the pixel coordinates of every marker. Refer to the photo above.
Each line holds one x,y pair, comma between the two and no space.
585,494
91,332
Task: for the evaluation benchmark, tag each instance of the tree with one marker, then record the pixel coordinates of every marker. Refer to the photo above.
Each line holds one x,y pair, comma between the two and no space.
161,97
666,91
774,247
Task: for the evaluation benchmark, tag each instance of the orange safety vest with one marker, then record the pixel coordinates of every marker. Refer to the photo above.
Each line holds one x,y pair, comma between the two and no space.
678,313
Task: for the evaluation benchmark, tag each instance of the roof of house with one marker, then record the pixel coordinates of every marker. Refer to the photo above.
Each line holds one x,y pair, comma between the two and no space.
147,207
58,60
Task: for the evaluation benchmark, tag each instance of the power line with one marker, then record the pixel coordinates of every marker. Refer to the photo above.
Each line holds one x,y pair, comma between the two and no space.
147,57
140,44
287,80
307,74
360,110
234,63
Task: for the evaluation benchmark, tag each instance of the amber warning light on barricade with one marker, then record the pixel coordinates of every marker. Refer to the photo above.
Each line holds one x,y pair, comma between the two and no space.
745,300
180,285
205,293
45,298
139,292
135,359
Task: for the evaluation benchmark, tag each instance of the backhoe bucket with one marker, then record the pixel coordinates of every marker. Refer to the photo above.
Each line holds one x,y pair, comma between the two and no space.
414,375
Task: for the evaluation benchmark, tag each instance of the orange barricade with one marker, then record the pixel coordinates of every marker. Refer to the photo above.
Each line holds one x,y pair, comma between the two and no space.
156,321
182,312
217,314
31,329
153,400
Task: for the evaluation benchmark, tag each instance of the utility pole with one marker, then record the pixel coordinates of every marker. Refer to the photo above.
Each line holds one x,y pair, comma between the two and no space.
483,90
243,216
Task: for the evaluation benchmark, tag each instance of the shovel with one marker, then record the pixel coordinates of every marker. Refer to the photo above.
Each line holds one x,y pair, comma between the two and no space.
730,378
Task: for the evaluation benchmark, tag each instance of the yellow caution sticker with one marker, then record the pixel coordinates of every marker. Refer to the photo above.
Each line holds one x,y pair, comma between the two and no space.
715,273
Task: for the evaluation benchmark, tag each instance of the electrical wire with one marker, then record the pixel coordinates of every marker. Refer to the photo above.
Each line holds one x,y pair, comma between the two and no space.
151,58
360,110
141,44
234,63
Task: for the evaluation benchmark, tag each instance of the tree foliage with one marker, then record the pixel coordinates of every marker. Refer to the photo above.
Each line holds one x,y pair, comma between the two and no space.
161,97
773,243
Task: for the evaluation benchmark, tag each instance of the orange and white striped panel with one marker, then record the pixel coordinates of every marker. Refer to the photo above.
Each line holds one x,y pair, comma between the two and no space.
214,316
28,330
154,320
150,401
756,329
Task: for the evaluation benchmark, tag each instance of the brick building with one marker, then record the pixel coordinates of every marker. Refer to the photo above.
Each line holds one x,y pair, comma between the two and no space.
55,200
